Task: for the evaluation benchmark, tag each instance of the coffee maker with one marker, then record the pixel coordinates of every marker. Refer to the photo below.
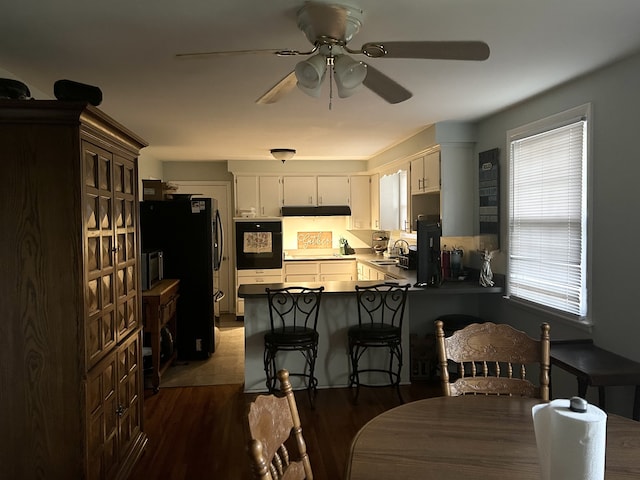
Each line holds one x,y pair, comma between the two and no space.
428,269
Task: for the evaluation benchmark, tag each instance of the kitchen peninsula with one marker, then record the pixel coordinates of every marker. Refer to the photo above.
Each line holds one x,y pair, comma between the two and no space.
338,311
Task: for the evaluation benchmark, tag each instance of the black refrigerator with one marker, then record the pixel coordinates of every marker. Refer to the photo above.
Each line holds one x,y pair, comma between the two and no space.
189,234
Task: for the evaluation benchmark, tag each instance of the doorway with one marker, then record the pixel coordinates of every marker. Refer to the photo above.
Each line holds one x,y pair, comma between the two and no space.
221,191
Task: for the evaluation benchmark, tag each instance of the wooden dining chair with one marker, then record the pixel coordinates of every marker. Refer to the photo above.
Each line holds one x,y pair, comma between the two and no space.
493,359
274,421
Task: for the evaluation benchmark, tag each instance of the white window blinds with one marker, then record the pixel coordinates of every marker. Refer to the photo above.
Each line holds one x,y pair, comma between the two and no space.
547,218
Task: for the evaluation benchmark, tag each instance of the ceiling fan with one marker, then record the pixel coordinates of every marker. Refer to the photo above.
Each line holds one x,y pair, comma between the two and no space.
329,28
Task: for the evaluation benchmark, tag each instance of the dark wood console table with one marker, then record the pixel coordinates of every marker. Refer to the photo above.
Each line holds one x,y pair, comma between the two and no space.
594,366
159,310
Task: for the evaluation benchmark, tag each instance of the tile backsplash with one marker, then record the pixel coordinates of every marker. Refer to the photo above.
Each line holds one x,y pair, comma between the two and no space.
324,230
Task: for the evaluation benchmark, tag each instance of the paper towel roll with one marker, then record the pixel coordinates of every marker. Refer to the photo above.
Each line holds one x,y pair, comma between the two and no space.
571,445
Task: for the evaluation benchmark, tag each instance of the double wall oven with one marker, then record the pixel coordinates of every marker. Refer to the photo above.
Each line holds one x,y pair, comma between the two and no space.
258,254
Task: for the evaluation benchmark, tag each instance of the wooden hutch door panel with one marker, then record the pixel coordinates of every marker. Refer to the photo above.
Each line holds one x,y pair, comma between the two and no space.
125,220
102,408
100,322
129,401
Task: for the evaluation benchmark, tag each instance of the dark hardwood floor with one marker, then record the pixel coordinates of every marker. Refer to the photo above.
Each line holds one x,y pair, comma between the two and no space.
201,432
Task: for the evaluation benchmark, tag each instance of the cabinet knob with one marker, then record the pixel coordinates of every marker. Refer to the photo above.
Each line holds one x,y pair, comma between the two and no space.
120,410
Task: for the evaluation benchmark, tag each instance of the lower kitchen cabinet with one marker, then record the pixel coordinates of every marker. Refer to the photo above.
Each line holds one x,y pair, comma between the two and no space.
366,272
319,271
253,276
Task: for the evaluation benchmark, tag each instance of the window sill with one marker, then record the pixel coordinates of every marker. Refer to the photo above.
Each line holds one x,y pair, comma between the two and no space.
550,314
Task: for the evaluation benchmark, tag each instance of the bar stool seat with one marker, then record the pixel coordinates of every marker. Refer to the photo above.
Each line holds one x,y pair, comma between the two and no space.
292,336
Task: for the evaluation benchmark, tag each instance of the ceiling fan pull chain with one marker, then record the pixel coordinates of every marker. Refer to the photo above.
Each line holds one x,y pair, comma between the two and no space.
330,59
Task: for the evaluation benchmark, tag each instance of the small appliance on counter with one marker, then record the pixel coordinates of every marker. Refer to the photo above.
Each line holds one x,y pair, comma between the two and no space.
152,266
451,260
428,269
409,260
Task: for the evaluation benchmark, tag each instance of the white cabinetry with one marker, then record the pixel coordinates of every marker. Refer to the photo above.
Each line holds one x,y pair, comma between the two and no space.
319,271
337,271
263,194
425,173
299,191
270,195
453,202
253,276
367,272
333,190
315,190
360,203
246,193
300,271
375,201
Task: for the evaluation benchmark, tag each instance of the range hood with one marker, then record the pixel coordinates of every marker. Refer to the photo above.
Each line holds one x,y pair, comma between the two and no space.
321,211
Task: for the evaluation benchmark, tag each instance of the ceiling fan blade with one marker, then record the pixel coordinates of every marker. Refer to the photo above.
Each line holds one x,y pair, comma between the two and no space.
464,50
270,51
325,20
385,87
279,90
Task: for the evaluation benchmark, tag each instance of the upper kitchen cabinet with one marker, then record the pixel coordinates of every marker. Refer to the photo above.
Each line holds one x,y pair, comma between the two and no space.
299,191
246,194
374,184
315,190
425,173
454,202
262,194
360,203
333,190
270,195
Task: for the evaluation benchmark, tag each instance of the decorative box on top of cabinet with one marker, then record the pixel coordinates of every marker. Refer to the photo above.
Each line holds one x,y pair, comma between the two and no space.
70,304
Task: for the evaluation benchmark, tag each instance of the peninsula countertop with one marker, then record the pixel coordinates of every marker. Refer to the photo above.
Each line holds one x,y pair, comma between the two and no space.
339,312
397,274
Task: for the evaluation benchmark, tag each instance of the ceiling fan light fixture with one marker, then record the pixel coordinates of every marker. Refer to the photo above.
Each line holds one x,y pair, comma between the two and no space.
283,154
312,92
349,75
310,72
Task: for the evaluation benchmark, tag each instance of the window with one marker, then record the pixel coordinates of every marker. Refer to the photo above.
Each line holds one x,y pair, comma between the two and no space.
548,214
393,201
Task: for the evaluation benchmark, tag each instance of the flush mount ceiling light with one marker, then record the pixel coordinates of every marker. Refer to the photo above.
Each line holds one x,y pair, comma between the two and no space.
283,154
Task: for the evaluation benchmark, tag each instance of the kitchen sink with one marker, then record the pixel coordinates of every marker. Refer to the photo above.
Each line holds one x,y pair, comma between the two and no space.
384,262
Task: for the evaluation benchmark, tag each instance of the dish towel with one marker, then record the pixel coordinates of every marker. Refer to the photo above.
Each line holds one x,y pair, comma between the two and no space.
571,439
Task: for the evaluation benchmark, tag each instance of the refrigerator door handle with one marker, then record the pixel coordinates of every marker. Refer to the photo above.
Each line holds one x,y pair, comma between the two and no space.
219,240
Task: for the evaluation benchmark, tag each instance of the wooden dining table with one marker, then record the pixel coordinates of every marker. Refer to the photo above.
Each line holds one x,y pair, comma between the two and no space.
478,437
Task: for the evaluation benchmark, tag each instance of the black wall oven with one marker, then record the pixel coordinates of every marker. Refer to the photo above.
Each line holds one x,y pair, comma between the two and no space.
258,244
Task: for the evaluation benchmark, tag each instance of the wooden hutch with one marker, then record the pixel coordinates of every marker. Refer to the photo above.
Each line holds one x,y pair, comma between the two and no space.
71,388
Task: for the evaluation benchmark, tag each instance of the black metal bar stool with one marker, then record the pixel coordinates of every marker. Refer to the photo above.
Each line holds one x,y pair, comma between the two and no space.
380,313
293,312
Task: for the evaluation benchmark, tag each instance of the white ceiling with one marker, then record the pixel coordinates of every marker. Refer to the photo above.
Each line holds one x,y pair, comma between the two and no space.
204,109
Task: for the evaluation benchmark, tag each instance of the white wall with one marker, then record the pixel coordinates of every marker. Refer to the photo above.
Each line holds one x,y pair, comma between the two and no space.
615,220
